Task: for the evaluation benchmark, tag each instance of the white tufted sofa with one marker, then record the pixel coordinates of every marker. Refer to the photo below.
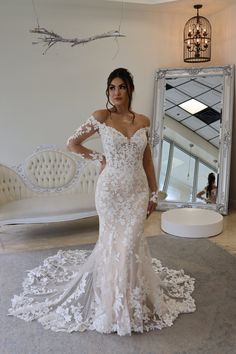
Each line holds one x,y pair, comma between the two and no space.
50,186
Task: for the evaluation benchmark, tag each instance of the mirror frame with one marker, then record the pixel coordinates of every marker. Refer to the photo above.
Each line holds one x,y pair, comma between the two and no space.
157,125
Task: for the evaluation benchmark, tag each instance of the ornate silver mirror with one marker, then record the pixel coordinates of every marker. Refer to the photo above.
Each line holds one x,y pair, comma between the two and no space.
191,136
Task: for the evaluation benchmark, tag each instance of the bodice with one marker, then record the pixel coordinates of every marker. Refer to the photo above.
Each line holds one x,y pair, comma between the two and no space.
121,151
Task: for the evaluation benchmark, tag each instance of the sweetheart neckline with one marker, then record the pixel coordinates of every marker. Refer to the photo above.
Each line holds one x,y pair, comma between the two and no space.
119,132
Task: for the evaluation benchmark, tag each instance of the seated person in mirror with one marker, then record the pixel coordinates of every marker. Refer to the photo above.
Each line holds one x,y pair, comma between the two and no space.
209,193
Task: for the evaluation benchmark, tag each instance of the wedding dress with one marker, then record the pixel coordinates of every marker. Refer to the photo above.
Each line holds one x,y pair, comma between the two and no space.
117,287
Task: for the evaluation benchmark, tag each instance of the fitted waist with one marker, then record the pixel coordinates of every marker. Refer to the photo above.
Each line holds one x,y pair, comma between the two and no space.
123,181
122,165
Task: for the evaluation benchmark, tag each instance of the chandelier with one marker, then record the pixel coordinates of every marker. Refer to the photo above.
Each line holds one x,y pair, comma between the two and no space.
197,39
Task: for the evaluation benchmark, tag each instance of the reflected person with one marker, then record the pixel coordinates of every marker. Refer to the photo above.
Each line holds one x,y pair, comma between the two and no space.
209,193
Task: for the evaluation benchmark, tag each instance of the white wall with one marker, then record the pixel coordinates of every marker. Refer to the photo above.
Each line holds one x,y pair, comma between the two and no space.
43,98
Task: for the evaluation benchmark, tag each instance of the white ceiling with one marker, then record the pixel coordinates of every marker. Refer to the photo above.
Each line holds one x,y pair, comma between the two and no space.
172,6
178,6
145,2
205,90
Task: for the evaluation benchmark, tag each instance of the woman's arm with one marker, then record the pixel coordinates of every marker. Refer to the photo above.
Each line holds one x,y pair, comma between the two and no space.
149,169
150,173
200,194
74,143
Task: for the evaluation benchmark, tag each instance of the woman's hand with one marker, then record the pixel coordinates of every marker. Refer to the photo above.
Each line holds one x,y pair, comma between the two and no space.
151,207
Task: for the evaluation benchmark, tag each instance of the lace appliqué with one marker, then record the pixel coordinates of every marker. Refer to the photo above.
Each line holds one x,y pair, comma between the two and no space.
90,126
117,287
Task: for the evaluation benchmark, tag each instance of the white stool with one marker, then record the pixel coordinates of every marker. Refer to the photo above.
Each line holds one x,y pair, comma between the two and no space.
192,222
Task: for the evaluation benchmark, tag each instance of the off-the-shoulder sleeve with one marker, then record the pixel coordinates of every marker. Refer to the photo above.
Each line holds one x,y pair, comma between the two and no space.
74,142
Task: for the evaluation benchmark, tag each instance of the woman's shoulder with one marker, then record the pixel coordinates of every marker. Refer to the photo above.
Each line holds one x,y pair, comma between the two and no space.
100,115
144,120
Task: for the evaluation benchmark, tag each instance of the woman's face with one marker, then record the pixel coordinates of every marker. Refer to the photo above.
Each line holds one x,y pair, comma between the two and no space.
118,92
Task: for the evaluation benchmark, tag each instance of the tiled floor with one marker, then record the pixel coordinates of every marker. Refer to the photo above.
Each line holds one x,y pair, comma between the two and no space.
17,238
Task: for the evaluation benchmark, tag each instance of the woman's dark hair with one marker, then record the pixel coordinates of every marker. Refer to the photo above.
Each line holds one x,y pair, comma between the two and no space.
127,77
211,181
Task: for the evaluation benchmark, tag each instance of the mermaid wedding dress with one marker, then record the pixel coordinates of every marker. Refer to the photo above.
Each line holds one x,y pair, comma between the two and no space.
117,287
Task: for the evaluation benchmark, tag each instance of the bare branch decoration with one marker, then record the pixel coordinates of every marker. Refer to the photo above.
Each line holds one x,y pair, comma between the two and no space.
50,38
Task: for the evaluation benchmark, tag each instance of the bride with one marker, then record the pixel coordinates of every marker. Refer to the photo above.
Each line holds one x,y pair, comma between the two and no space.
117,287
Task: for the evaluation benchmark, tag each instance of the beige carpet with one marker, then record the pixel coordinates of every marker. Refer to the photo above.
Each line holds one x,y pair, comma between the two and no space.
210,330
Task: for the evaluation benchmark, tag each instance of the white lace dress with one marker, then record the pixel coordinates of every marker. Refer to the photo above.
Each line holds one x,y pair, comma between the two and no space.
117,287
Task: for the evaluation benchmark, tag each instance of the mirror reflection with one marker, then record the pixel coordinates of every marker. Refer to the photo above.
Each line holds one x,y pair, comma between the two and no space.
190,150
191,136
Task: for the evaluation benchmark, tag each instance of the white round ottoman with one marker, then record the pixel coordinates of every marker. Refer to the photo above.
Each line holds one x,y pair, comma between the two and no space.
192,222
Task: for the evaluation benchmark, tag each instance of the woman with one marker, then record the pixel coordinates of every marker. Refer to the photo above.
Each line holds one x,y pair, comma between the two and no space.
210,191
118,288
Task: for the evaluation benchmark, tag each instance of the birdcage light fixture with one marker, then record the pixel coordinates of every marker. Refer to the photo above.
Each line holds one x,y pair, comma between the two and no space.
197,39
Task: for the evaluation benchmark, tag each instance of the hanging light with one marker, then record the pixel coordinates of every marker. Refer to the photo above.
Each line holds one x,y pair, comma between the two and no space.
197,39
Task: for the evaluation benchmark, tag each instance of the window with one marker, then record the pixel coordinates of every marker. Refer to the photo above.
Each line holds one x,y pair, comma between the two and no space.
182,174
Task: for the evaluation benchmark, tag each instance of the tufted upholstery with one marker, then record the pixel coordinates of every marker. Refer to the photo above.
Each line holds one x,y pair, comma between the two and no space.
51,185
50,169
88,178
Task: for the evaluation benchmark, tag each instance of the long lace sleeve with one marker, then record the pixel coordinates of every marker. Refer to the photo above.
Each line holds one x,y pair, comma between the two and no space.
74,142
148,164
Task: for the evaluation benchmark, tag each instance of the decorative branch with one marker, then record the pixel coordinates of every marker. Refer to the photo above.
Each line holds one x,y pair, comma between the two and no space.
51,38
